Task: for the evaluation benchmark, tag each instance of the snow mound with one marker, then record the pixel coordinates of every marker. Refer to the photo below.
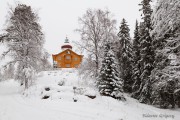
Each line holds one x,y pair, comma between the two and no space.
62,84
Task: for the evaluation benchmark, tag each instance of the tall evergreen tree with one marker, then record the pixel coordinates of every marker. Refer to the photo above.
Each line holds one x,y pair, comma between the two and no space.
25,43
136,61
147,54
109,83
125,56
166,21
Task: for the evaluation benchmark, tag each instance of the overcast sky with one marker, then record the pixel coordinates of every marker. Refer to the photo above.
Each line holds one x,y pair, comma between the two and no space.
60,17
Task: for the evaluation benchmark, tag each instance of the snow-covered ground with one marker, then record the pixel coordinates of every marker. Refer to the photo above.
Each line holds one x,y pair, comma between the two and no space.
64,87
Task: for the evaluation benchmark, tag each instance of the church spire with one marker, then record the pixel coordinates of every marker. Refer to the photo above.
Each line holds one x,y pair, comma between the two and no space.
66,45
66,40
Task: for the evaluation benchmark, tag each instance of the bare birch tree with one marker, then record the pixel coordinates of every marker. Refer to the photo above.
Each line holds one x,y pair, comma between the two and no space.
96,27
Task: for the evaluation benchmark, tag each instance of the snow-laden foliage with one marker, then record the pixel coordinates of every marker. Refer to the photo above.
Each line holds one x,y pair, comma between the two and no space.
163,92
24,41
87,67
124,54
165,18
2,38
96,26
177,96
45,64
109,83
147,54
136,61
166,33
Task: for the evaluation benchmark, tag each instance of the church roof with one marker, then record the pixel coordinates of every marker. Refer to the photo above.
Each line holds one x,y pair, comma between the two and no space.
66,46
65,51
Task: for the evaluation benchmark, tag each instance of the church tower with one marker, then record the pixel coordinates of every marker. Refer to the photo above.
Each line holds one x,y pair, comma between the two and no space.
66,45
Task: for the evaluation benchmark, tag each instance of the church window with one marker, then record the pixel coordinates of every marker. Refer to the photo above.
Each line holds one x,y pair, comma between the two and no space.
68,65
68,57
59,58
75,59
68,52
55,64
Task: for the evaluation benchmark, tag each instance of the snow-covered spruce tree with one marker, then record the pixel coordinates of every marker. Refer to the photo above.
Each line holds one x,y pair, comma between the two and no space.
147,54
109,83
137,71
136,62
166,33
124,55
24,42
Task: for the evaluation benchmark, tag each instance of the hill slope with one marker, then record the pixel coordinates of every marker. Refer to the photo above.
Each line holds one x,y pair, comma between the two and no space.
64,87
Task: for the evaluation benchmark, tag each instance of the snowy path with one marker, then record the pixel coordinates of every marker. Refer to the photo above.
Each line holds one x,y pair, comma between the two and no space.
14,106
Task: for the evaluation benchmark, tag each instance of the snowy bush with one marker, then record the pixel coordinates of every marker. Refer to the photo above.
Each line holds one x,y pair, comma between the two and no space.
61,83
79,91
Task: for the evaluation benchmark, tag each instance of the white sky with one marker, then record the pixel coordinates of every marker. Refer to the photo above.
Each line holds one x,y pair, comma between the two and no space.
60,17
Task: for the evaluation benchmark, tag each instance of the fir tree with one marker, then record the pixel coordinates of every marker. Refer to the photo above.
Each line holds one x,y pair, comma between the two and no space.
125,56
109,83
136,62
147,54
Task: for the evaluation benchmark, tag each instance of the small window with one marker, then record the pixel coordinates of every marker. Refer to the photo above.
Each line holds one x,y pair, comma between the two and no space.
68,57
68,52
59,58
68,65
75,59
59,64
55,62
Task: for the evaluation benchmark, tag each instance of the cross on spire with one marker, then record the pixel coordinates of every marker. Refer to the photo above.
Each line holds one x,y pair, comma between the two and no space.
66,40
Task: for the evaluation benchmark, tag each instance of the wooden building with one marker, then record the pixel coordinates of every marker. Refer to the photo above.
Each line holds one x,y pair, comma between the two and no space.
67,58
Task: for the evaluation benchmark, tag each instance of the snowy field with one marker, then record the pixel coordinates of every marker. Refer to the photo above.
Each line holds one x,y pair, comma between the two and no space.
68,100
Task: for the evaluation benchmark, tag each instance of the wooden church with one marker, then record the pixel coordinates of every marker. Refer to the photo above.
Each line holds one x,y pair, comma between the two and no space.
66,58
